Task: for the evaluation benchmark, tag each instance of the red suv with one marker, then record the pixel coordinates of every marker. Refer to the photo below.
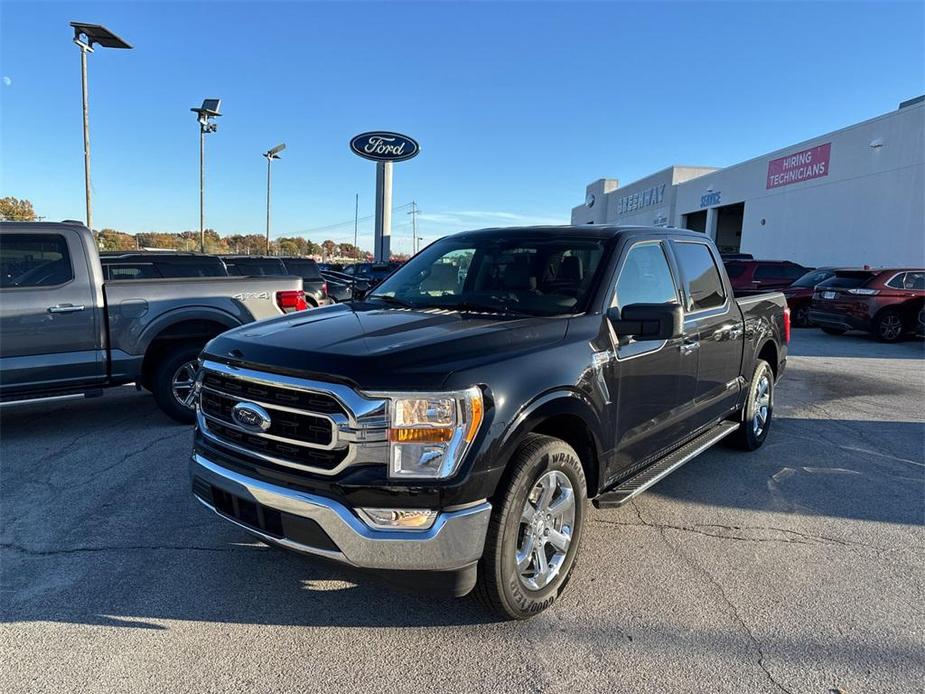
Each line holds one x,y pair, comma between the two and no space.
800,294
757,276
885,302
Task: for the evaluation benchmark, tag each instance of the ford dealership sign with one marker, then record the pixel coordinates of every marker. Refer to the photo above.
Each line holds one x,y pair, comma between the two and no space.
384,146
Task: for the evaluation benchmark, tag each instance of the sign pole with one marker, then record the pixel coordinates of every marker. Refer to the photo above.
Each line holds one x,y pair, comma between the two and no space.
383,237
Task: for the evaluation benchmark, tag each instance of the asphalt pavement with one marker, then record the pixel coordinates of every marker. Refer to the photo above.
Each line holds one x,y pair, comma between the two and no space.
797,568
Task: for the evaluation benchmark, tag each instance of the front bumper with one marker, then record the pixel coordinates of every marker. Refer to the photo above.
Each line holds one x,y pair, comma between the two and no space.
317,525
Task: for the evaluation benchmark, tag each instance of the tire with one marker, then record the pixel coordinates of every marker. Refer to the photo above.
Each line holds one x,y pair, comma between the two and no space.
754,430
889,326
501,587
162,382
801,317
834,331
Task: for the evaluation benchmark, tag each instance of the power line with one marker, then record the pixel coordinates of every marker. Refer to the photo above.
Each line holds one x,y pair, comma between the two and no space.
344,223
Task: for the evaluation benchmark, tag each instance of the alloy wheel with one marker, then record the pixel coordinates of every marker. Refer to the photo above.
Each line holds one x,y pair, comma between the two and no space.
762,404
891,327
183,382
546,524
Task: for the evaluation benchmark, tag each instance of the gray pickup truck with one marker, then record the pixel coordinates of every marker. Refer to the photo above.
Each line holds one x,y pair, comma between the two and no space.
66,331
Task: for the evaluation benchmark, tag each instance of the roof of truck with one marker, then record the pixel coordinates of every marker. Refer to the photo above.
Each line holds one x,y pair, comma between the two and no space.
603,231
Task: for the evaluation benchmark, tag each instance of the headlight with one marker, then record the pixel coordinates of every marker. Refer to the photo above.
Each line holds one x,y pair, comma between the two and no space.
430,433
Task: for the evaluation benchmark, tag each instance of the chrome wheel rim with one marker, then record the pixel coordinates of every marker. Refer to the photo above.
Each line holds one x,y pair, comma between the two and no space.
183,382
890,327
762,405
545,530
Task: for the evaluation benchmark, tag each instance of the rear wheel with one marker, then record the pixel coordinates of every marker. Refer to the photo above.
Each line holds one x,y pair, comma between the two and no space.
535,531
834,331
173,383
801,317
759,409
889,327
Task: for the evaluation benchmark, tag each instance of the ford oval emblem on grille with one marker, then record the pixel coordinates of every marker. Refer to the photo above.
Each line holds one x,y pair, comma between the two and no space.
250,416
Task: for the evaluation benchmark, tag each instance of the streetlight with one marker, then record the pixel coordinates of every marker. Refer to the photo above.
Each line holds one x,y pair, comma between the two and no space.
85,35
205,114
271,155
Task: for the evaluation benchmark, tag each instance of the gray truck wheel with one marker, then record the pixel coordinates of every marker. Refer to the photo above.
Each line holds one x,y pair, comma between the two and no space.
759,409
172,383
535,530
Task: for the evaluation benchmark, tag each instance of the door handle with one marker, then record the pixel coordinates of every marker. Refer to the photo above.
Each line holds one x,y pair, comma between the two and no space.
689,346
66,308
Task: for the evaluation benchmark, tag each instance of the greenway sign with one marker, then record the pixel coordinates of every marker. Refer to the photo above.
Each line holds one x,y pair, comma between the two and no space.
384,146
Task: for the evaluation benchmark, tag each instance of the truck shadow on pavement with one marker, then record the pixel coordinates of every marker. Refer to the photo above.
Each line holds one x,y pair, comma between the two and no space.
99,526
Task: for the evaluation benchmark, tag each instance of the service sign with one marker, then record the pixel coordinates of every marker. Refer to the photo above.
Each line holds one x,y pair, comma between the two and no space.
799,166
384,146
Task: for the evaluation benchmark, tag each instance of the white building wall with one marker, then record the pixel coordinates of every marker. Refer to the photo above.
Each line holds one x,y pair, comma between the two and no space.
868,209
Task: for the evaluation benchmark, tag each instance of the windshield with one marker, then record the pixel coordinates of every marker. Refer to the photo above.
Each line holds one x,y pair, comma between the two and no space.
536,275
848,279
812,278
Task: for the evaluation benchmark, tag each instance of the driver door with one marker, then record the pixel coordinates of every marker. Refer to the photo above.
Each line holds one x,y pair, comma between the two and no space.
653,382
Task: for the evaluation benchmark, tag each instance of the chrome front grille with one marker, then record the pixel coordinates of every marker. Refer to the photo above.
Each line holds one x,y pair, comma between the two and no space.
314,426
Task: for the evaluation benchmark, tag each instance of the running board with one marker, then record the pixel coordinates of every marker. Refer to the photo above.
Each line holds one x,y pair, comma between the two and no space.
651,474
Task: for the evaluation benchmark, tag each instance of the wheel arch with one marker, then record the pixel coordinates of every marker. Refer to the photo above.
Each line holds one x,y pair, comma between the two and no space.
565,415
185,327
769,352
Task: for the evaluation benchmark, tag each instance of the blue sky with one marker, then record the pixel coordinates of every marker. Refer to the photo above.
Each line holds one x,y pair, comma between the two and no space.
517,106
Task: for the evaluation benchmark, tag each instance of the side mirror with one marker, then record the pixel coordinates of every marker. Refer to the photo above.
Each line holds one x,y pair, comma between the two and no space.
359,289
648,321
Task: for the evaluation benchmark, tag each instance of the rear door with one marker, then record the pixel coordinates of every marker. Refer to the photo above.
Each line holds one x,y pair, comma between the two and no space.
713,328
653,382
49,320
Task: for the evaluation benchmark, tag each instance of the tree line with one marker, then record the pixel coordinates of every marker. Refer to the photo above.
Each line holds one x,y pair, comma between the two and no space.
244,244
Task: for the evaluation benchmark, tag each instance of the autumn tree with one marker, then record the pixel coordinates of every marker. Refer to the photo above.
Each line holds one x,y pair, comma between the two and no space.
112,240
16,210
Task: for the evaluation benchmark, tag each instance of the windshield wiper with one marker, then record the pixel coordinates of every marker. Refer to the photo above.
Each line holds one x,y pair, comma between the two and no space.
391,300
482,308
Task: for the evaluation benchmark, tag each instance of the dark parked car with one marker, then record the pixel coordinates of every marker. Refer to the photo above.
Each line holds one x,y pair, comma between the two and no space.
341,286
373,273
151,265
756,276
450,427
884,302
315,286
800,294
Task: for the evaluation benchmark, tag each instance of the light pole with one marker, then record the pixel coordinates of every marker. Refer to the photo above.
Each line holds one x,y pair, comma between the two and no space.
271,155
85,35
205,114
414,230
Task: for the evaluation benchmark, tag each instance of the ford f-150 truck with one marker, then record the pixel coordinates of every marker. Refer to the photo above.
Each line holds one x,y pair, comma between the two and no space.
453,423
66,331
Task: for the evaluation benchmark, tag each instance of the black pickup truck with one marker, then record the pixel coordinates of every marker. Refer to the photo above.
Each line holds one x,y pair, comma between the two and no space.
450,426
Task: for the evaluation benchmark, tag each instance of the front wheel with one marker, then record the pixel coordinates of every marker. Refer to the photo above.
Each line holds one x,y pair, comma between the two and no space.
173,383
535,531
759,409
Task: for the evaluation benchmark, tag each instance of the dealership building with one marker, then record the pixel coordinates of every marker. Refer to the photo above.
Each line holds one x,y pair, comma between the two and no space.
855,196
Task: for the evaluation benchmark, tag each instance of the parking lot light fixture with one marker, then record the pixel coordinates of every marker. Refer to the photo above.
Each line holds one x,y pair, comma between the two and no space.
205,114
85,36
271,155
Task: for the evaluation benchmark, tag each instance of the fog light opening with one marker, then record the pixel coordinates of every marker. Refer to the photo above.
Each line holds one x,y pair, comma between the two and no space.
398,518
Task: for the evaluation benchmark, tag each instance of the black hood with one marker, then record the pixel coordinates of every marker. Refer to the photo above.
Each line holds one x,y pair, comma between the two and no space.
380,348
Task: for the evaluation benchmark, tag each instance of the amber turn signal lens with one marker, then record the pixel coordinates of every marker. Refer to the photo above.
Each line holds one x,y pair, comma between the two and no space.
421,435
476,420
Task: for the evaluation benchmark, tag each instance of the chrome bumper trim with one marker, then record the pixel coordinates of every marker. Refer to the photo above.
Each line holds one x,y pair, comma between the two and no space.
456,539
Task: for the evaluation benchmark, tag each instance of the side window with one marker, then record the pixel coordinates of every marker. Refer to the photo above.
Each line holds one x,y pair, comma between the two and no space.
130,272
794,272
702,280
735,270
897,282
914,280
645,277
34,260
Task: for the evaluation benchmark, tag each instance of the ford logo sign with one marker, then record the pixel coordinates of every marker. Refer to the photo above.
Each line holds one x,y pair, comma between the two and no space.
252,417
384,146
